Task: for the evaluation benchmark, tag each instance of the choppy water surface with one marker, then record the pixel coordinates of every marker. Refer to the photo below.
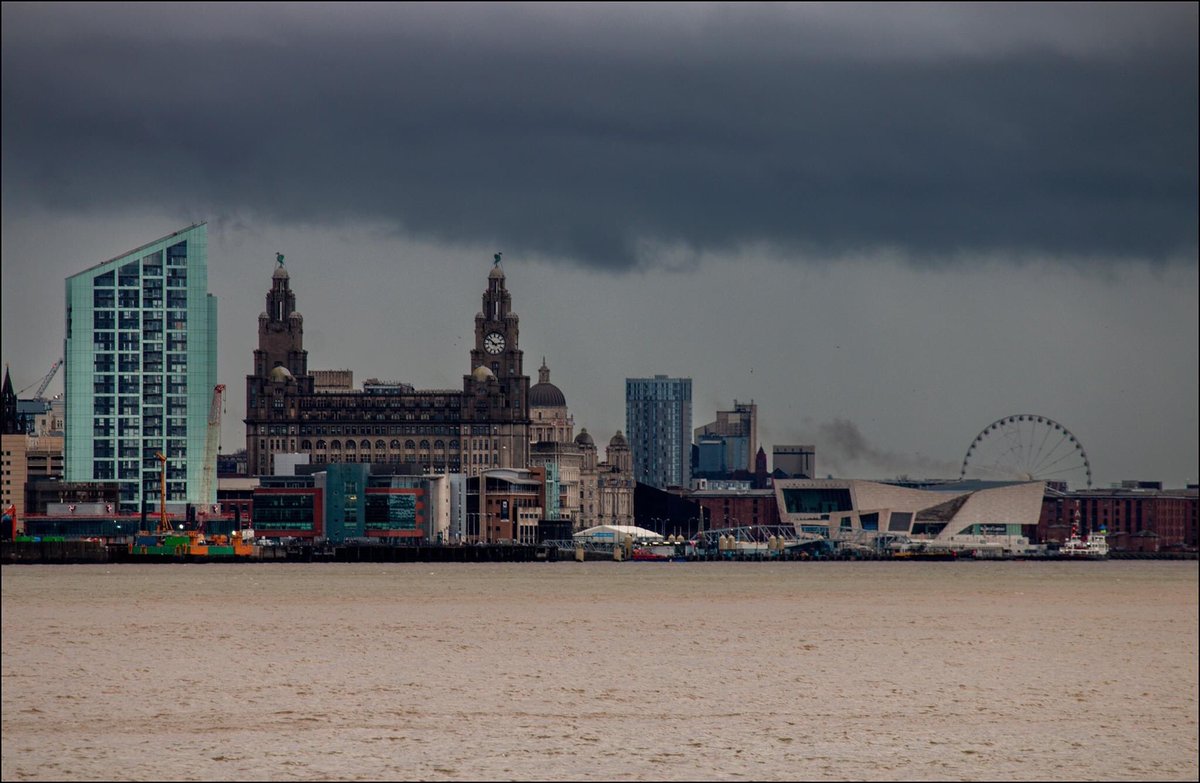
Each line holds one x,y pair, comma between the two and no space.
601,671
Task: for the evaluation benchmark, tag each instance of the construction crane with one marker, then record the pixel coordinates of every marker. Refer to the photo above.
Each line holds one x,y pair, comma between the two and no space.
45,381
211,443
163,525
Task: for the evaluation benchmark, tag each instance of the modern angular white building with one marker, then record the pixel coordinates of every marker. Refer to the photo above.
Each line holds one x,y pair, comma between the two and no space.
141,364
959,515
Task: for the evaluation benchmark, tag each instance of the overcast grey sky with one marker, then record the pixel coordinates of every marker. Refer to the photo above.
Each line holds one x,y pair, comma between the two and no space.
888,225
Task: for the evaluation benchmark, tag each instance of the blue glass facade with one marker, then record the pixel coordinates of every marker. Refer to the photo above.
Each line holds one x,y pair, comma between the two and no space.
140,364
658,424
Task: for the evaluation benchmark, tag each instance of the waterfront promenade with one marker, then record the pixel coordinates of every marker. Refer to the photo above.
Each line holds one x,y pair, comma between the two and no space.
52,552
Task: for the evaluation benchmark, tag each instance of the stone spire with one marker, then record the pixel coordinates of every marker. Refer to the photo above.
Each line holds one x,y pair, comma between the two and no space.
10,424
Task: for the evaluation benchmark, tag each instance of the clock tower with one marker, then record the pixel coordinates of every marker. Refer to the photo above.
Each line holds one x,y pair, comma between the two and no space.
496,391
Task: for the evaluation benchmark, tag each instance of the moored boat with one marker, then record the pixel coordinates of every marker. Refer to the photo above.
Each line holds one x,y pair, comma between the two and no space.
1094,547
191,544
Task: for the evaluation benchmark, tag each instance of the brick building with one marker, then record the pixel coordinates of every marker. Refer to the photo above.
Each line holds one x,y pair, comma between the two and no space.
738,508
1136,520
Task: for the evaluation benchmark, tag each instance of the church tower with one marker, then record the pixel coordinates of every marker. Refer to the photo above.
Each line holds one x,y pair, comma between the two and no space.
11,424
280,329
280,375
496,391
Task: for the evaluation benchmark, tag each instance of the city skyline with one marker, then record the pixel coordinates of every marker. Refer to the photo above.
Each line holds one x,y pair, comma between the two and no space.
850,288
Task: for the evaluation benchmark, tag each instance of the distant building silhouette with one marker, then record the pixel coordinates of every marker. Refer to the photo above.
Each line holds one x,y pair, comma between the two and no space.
794,461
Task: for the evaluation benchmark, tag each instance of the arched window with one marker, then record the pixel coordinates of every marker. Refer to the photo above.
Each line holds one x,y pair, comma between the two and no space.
380,445
425,444
395,444
336,445
408,444
306,445
366,444
350,445
320,444
439,444
454,444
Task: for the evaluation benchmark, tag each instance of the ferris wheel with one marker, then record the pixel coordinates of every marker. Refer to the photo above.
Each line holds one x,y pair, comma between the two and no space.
1027,447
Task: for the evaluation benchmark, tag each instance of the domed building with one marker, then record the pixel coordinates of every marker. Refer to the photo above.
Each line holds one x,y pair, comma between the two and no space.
549,418
606,488
553,447
614,483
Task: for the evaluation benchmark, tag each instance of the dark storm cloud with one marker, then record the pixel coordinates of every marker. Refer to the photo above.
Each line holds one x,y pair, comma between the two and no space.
599,134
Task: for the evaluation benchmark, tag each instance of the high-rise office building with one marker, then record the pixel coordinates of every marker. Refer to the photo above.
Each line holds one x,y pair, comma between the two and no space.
658,423
141,364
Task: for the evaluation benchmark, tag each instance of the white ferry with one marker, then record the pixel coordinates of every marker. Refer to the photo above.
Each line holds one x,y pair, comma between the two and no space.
1094,548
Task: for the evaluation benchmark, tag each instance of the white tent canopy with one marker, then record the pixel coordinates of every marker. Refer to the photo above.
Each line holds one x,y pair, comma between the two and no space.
617,533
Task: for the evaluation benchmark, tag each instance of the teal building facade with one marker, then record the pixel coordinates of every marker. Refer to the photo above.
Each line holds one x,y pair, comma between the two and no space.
359,505
141,363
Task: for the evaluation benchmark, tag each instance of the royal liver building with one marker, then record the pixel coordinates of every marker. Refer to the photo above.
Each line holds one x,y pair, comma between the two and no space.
485,424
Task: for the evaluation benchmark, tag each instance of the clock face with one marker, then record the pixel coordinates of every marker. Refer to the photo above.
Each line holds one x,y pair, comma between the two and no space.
493,343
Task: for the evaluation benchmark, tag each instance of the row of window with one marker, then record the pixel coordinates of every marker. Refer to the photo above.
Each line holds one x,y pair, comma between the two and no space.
379,444
150,265
102,448
374,402
151,291
395,444
440,466
336,430
439,415
152,335
131,319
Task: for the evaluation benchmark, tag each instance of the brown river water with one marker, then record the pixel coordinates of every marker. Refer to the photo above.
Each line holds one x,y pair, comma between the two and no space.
601,671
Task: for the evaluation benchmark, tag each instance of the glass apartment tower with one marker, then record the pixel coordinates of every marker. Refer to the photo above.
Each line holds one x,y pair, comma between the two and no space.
141,353
658,423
